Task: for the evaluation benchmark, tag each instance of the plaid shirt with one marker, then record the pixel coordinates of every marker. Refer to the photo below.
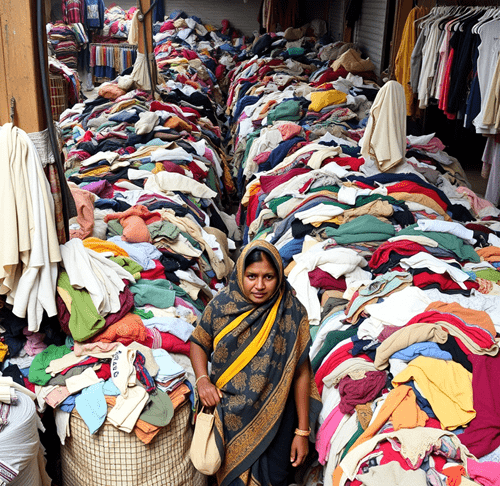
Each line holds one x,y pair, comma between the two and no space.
72,11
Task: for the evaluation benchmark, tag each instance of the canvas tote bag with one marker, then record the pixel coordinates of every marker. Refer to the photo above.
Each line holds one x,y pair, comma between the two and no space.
204,453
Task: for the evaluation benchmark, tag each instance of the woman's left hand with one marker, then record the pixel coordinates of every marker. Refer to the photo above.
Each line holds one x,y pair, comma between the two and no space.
300,448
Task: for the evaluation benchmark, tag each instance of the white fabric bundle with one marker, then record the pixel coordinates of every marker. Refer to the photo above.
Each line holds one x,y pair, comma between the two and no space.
102,277
385,134
29,252
21,453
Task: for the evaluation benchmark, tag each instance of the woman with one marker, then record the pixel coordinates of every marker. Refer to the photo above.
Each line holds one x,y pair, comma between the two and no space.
256,334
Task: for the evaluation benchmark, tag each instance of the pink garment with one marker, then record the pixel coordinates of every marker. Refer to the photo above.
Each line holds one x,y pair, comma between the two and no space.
57,396
485,473
289,130
34,342
476,202
134,221
433,146
262,157
325,433
84,201
81,349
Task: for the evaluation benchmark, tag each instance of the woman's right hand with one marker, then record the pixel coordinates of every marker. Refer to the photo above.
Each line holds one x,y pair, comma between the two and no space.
209,394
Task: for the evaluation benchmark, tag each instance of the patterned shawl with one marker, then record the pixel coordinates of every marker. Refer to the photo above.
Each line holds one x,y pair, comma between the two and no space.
254,365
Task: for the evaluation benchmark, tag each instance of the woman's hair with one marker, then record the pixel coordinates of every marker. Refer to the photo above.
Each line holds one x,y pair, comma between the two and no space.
257,256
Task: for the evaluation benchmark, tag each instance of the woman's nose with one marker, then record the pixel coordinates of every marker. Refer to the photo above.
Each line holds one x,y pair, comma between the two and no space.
260,284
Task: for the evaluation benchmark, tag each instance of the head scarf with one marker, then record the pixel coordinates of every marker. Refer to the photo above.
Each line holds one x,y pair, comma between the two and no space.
263,350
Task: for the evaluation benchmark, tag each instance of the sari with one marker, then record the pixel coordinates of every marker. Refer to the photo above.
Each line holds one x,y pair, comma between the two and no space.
255,351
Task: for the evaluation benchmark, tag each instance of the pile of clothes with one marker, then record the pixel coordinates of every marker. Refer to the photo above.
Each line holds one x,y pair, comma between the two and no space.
117,22
395,259
193,57
150,246
64,42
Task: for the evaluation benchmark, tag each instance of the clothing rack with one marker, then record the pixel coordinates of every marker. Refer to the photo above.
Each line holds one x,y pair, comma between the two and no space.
107,60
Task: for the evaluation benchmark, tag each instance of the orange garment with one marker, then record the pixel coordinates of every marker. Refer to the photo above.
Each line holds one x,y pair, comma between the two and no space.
470,316
134,221
158,168
489,253
127,330
102,246
179,395
454,475
176,123
144,431
84,201
266,108
401,407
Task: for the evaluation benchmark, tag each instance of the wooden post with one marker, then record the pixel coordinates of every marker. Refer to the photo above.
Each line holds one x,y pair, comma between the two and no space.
148,25
19,66
146,45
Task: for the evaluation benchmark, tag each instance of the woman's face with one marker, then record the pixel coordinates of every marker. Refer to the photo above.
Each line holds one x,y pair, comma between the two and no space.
260,281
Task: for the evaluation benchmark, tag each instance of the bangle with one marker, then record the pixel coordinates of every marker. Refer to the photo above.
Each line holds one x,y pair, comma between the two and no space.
303,433
202,376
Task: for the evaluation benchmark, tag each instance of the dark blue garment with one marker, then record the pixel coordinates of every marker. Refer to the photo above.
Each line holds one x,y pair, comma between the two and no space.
422,402
107,204
180,211
292,248
279,153
93,14
473,106
129,116
241,104
366,346
159,11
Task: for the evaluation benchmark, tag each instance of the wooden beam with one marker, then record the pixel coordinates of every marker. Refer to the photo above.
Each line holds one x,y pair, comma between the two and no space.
19,66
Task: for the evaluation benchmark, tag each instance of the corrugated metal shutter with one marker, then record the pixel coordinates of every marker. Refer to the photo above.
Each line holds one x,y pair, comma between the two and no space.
370,30
336,19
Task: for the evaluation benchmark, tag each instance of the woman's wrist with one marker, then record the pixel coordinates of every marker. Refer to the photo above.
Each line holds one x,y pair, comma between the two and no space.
199,378
302,432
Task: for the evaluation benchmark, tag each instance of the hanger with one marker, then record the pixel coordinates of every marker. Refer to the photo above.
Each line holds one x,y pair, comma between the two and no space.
457,21
451,14
475,12
488,14
421,22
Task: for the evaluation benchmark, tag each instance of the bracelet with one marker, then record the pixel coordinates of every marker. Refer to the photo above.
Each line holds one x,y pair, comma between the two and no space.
303,433
202,376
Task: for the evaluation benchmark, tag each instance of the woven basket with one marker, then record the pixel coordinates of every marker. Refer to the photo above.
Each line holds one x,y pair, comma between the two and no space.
114,458
58,95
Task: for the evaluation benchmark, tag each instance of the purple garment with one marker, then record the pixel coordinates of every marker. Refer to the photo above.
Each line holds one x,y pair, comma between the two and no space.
355,392
102,188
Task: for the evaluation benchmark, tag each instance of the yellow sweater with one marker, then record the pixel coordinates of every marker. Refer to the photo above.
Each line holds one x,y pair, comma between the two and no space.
447,386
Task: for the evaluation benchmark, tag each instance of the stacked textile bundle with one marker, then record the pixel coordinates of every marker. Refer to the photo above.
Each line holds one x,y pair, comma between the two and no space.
64,41
117,22
395,260
71,77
